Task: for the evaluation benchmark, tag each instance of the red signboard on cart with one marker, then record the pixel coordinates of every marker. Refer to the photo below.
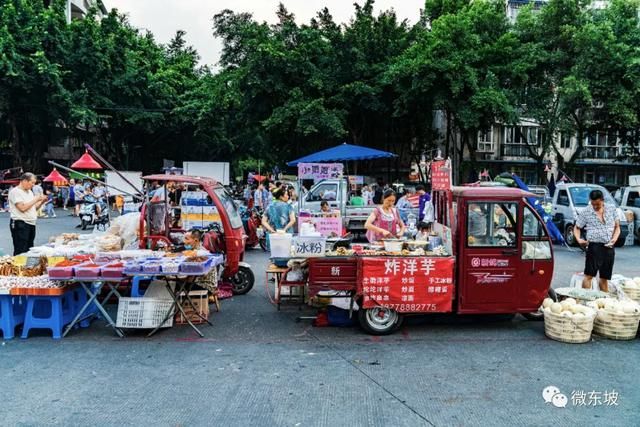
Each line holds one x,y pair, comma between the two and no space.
407,284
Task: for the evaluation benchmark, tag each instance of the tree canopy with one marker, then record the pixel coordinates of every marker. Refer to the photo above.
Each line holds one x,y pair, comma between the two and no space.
285,89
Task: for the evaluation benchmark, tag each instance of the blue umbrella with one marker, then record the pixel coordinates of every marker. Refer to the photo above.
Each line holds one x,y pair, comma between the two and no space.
343,153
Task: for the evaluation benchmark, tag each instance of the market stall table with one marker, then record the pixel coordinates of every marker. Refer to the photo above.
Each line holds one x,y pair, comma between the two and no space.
93,289
184,284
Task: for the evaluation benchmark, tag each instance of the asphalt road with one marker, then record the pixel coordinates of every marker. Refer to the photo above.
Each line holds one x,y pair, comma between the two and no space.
257,366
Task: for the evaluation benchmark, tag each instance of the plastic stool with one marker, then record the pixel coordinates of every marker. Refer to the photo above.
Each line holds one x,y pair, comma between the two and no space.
12,310
135,285
47,312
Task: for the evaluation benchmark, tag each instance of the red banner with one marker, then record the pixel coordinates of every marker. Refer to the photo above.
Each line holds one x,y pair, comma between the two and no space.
440,175
407,284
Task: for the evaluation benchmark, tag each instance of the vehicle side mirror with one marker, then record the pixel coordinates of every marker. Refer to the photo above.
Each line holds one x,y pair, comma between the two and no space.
563,200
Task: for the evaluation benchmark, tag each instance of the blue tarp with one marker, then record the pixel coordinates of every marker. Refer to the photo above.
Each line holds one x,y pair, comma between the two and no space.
555,234
343,153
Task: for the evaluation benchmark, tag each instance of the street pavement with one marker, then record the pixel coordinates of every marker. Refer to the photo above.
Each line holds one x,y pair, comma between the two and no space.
257,366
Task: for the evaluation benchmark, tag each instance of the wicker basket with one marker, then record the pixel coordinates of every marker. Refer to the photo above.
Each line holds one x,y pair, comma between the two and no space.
632,293
568,329
616,326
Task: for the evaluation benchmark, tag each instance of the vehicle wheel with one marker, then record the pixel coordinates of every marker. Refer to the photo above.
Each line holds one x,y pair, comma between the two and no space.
568,235
243,281
263,244
84,225
539,315
379,320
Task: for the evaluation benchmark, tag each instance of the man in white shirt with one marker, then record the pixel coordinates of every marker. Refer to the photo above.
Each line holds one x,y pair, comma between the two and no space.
23,208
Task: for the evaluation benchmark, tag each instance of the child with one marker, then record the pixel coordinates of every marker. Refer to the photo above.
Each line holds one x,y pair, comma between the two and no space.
423,231
48,207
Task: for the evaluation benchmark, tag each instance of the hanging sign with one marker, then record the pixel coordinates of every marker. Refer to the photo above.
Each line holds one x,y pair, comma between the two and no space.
441,175
318,171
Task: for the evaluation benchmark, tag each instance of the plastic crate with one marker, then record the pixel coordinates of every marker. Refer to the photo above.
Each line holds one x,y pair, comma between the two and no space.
143,313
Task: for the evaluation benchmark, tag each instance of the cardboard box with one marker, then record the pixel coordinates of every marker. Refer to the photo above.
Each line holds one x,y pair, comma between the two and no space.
200,301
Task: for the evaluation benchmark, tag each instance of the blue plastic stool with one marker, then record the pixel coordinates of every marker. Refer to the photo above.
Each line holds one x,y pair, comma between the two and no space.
48,312
135,285
12,310
77,300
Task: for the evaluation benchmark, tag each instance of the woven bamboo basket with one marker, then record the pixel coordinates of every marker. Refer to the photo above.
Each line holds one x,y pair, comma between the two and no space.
616,326
568,329
632,293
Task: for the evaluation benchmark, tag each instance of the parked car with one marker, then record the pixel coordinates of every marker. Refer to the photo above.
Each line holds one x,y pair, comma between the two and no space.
571,198
629,199
541,191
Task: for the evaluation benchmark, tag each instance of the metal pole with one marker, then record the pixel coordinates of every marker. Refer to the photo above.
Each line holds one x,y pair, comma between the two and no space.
106,163
51,162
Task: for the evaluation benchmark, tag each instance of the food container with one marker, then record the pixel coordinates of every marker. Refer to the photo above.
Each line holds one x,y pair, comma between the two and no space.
113,270
392,245
280,244
88,270
132,267
196,265
152,267
60,273
171,267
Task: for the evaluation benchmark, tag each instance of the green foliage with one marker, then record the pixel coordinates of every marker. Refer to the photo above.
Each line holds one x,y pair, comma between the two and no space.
288,88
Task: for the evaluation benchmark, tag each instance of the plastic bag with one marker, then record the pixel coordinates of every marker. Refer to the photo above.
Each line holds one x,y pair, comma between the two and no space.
127,227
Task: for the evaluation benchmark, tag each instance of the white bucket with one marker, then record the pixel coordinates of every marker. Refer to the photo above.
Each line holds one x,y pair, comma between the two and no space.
280,245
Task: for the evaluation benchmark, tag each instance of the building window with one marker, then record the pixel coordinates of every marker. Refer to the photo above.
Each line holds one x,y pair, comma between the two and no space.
485,140
601,145
517,139
565,140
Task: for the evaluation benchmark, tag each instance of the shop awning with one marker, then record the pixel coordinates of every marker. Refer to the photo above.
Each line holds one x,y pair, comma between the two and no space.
56,177
86,162
343,153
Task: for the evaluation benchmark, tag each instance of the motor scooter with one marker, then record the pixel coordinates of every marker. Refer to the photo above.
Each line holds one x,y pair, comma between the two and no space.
252,222
89,214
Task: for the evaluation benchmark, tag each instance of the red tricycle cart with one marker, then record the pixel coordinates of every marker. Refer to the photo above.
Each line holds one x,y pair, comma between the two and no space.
497,258
163,218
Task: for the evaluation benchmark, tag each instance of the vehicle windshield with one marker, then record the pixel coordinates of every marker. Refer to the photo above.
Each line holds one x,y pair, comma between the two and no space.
229,206
580,196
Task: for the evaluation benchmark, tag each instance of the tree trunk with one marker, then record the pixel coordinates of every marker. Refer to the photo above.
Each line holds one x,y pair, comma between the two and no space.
15,141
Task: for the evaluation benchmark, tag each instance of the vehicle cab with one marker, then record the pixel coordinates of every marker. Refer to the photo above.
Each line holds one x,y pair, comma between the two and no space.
503,251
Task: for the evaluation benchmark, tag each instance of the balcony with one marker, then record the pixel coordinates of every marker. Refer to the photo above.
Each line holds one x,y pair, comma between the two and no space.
599,153
516,150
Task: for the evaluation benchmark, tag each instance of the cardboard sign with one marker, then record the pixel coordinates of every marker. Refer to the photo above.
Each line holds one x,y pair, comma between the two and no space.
440,175
318,171
327,226
407,284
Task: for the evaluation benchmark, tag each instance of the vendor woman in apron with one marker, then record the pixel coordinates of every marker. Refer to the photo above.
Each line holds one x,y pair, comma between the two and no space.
385,222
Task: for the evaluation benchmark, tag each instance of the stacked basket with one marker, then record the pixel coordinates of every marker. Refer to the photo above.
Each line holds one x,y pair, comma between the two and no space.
616,320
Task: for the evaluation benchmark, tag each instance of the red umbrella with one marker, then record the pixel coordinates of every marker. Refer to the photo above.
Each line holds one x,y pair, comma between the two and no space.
56,178
86,162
